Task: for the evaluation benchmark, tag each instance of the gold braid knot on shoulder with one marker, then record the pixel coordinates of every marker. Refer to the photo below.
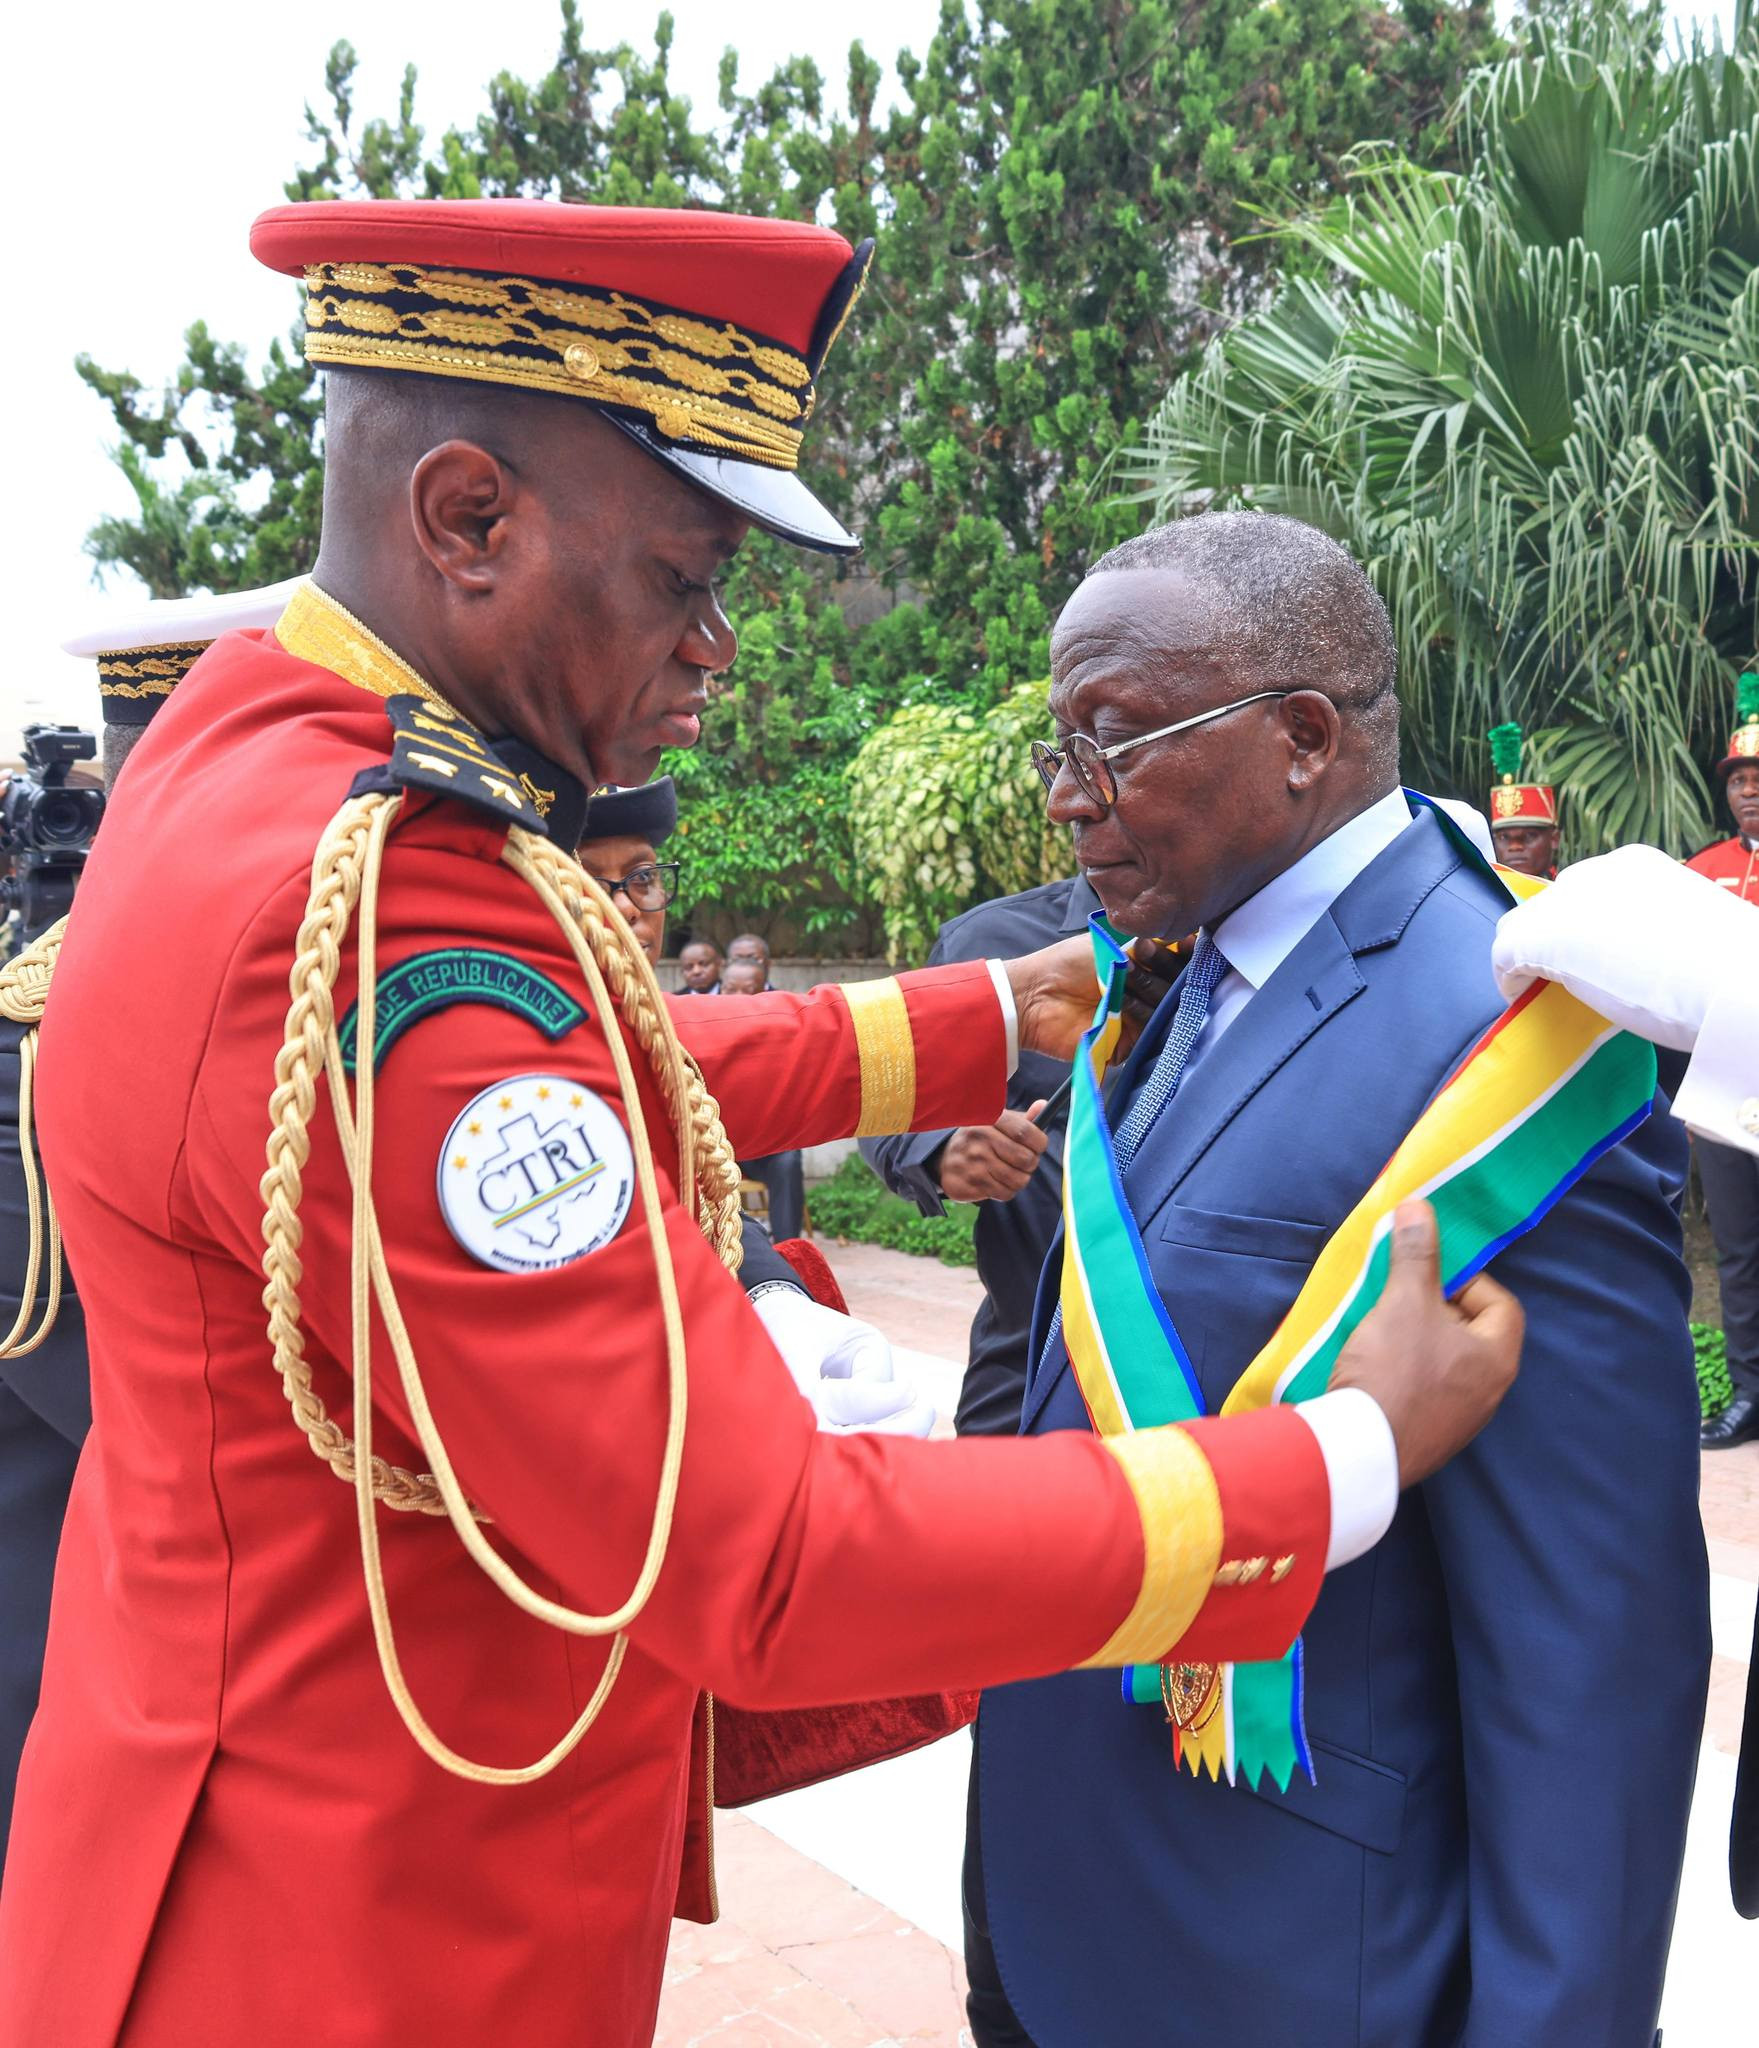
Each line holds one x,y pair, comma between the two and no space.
24,994
345,878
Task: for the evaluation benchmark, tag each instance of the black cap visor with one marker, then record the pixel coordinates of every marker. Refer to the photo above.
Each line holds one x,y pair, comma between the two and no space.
774,499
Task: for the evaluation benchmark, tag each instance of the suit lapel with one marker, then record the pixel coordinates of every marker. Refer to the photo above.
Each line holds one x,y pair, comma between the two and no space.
1311,986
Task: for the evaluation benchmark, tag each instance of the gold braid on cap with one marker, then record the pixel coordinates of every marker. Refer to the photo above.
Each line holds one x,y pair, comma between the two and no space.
705,384
345,878
134,681
24,991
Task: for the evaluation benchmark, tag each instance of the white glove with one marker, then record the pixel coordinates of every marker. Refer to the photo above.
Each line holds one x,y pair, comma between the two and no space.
1633,935
843,1367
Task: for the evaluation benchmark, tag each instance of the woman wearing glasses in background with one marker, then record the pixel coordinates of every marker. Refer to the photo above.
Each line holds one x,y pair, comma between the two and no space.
619,849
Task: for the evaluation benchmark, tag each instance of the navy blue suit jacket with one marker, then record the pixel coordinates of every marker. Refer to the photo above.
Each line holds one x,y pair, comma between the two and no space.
1503,1698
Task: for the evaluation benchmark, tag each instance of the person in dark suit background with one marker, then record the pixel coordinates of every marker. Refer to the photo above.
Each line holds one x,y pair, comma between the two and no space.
1504,1702
699,968
1012,1169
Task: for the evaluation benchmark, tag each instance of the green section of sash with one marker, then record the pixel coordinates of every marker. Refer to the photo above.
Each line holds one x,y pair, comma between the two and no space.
1264,1707
415,988
1152,1387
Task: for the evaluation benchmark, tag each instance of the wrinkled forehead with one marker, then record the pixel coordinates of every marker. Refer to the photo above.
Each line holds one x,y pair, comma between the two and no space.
1137,640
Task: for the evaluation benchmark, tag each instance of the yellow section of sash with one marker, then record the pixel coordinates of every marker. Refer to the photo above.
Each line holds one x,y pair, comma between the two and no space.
1181,1514
887,1048
1209,1749
1508,1080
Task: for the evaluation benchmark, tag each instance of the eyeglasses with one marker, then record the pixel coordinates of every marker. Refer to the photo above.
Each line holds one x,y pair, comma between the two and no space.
650,887
1090,763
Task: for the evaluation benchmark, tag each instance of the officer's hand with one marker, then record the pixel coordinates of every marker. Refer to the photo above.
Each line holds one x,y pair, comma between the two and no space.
992,1162
842,1366
1055,992
1635,936
1438,1369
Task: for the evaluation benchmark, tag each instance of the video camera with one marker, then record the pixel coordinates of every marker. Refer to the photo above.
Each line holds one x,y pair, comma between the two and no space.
47,827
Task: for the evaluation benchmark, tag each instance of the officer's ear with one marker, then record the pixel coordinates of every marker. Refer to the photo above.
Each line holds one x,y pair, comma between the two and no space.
461,505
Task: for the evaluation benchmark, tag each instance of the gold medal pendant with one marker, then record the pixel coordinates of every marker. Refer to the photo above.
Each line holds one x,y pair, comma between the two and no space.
1191,1694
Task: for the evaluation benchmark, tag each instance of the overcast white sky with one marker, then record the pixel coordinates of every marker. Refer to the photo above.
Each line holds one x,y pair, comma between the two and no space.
144,140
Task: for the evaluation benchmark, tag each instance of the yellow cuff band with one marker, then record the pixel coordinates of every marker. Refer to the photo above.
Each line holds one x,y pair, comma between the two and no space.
1181,1537
887,1048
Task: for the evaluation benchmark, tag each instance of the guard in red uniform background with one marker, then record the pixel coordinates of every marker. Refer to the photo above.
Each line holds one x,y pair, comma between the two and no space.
438,1466
1728,1174
1733,863
1523,815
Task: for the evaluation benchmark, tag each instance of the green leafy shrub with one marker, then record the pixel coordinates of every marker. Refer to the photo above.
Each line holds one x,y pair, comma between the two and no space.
945,807
910,796
1715,1389
855,1206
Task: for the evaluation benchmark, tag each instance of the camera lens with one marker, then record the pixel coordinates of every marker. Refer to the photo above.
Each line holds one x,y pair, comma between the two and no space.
61,819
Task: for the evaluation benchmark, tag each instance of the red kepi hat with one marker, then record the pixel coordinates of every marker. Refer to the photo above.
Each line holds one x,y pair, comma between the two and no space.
1743,743
700,335
1512,801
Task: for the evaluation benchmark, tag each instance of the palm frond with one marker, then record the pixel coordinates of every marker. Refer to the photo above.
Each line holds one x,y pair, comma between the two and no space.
1528,400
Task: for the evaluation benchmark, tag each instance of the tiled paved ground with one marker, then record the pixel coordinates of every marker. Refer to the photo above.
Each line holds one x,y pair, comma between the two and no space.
802,1959
799,1957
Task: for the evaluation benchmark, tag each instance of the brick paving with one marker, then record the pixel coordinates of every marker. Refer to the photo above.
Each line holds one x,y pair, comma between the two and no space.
803,1959
800,1959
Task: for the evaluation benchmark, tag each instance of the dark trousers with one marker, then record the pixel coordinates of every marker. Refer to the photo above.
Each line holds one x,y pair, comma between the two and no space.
36,1474
993,2023
1730,1179
785,1177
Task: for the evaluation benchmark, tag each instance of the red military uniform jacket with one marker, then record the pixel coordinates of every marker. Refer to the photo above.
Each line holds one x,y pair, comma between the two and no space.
1732,865
224,1833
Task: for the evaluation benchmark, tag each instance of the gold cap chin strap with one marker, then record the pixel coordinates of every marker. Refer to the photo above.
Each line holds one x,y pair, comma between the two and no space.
345,872
24,991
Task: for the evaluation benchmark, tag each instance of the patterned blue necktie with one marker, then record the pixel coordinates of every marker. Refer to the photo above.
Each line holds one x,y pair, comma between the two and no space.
1206,969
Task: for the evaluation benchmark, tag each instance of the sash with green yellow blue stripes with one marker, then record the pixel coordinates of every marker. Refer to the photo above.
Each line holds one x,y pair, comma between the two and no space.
1549,1088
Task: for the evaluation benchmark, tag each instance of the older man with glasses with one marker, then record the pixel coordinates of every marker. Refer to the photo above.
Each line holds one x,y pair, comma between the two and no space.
1433,1843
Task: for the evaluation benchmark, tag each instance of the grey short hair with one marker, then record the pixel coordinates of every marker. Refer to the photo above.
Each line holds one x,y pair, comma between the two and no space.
1296,610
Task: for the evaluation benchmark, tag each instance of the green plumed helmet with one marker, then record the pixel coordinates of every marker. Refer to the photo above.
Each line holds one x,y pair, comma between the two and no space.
1505,750
1747,698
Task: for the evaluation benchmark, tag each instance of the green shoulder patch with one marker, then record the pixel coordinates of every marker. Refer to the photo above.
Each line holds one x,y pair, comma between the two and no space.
415,988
